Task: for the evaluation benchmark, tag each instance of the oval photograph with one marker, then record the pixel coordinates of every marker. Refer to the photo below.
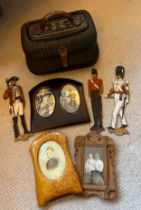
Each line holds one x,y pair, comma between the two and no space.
69,98
44,102
51,160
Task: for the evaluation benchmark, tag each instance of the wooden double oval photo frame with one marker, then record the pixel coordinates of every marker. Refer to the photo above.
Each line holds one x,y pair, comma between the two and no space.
56,103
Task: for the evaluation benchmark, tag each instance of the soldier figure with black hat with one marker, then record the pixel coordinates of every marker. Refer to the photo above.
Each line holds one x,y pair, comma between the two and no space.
16,105
95,87
120,91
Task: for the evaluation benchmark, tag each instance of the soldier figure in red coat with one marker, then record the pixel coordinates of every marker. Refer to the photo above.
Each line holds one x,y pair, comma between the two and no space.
16,104
95,87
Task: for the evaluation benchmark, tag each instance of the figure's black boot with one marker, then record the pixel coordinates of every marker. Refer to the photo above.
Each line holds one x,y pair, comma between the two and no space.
123,126
101,127
94,127
15,127
24,124
1,11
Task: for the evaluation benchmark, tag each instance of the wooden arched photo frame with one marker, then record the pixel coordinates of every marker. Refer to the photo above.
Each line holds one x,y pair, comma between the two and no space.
95,164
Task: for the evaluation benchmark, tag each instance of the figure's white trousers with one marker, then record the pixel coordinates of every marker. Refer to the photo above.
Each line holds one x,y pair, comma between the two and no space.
18,108
118,110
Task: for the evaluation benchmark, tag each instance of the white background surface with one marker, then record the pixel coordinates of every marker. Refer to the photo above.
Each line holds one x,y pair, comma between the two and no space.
119,36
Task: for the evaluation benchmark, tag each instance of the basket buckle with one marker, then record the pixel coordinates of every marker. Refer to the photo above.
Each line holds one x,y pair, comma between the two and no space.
63,55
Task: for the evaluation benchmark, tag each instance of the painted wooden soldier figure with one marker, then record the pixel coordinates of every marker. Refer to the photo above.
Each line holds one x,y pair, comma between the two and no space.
95,87
120,91
16,105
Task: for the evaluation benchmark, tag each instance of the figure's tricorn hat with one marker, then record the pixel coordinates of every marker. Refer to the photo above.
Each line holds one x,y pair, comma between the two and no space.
14,78
120,70
94,71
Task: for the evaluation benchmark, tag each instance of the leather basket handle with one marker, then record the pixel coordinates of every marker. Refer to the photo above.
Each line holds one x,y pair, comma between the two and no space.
54,14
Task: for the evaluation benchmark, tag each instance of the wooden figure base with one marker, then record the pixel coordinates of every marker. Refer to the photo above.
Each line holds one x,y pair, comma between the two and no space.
93,129
24,137
18,139
119,131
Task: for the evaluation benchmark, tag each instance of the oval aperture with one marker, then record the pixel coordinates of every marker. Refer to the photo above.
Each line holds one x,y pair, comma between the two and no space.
45,102
51,160
69,98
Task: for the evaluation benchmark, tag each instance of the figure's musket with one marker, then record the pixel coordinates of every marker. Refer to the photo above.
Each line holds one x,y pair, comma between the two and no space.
10,107
111,97
124,105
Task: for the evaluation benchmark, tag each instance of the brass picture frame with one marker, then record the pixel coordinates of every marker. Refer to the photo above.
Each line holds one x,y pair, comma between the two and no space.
95,165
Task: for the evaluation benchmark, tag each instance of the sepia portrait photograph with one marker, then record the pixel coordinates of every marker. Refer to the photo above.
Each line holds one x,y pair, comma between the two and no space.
44,102
51,160
94,166
69,98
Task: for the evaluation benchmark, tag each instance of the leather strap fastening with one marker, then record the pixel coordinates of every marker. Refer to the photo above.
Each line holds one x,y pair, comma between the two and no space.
63,56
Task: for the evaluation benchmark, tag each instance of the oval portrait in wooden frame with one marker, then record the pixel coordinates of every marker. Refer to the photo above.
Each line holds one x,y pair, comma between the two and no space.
44,102
69,98
51,160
